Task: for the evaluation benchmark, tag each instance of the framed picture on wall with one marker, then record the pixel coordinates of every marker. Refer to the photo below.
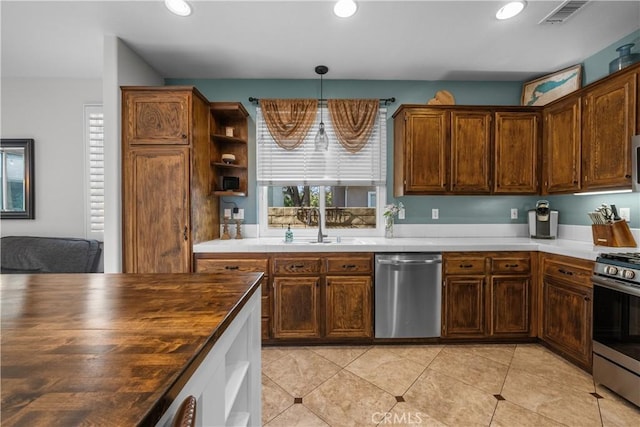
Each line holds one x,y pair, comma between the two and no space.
546,89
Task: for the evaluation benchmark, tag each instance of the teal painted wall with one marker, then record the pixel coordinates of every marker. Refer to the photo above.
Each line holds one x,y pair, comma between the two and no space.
453,209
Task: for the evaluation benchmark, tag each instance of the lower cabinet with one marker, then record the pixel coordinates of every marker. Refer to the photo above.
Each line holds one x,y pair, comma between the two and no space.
322,297
487,295
567,307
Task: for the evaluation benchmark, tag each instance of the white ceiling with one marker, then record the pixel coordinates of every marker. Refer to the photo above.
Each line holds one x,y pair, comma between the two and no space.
399,40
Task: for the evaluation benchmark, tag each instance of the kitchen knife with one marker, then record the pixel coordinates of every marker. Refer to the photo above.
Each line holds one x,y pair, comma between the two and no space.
614,211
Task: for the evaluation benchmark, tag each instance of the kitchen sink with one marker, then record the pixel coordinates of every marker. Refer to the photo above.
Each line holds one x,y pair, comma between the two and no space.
343,241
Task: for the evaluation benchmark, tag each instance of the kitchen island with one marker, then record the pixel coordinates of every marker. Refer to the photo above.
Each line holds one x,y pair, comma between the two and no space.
114,349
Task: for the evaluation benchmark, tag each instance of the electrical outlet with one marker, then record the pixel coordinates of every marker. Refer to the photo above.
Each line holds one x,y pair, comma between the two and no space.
625,213
240,214
227,213
401,214
514,213
435,214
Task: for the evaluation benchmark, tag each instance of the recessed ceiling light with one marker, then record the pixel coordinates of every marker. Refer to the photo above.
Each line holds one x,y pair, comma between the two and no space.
178,7
511,9
345,8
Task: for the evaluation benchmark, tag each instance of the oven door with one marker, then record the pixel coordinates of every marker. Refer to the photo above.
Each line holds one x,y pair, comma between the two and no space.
616,337
616,317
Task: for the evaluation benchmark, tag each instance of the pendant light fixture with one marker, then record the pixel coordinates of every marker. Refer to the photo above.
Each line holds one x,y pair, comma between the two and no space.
321,140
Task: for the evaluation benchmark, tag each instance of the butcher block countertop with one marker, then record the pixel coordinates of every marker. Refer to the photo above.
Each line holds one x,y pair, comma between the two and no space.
108,349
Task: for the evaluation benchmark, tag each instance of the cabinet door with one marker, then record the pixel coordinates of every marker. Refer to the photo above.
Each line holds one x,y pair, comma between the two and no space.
516,153
463,314
510,305
566,323
561,150
426,152
348,306
154,117
608,125
156,211
470,152
296,307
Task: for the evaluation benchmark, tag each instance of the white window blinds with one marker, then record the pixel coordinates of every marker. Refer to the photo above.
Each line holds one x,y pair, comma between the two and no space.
94,136
336,166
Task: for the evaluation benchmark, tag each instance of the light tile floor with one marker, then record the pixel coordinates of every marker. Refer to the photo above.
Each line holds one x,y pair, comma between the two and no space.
433,385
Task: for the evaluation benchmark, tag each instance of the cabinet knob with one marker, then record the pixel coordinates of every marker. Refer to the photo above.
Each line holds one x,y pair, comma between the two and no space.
627,176
587,299
184,136
184,234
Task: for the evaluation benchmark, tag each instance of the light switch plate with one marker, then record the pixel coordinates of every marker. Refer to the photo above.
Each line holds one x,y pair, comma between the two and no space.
514,213
435,214
240,214
625,213
401,214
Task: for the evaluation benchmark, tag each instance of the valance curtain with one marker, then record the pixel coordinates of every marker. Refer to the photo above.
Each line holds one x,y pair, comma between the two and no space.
336,166
353,121
289,120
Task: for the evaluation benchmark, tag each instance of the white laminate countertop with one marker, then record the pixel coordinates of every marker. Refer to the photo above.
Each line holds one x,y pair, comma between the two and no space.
573,248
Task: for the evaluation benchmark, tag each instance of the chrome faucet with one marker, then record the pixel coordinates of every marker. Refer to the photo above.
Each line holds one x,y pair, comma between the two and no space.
320,235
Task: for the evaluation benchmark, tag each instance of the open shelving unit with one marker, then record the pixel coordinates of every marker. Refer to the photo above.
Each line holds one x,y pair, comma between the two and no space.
229,135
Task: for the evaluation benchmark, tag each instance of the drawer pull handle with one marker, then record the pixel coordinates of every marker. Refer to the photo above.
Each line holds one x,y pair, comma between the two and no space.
466,265
297,265
349,266
511,265
231,267
568,273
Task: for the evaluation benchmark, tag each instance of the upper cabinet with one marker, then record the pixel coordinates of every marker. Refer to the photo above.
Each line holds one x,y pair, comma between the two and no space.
608,123
516,152
421,148
157,117
229,135
562,147
466,150
581,142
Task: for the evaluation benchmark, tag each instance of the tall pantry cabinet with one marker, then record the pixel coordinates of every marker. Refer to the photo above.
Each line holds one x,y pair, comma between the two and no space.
167,202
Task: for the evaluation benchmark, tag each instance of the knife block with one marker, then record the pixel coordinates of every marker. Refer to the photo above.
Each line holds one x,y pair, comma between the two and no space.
615,234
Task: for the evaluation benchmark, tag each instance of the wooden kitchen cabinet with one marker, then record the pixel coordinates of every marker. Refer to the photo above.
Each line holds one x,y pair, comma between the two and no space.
243,263
562,146
609,120
322,296
567,306
470,152
297,307
516,153
421,151
487,295
166,178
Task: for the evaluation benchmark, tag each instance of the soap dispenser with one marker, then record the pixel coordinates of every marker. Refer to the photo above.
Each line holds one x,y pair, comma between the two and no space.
288,235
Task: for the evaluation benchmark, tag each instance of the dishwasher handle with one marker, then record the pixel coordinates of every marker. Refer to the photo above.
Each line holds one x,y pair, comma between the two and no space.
408,261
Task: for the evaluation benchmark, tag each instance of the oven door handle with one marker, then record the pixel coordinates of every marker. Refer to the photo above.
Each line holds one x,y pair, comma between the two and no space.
614,285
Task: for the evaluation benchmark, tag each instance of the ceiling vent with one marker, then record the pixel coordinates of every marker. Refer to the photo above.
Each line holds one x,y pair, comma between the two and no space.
563,12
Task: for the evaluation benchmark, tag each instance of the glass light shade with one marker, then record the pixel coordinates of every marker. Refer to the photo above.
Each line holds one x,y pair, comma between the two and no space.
321,140
178,7
511,9
345,8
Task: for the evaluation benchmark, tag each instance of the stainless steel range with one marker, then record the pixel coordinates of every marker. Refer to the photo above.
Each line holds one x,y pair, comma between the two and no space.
616,323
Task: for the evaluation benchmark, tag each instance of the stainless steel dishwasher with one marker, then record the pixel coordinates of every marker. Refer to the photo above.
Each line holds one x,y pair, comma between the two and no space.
408,295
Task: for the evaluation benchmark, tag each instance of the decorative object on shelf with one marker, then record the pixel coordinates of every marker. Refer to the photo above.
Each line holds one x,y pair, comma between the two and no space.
390,212
625,59
546,89
289,120
238,229
442,97
230,183
321,140
228,131
228,158
353,121
288,235
225,229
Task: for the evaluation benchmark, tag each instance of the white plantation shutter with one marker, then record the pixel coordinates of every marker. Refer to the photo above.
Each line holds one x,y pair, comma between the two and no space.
94,136
337,166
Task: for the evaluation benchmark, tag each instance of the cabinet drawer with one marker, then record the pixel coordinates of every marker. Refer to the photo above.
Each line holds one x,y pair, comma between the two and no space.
464,265
510,265
296,265
231,265
569,272
349,265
